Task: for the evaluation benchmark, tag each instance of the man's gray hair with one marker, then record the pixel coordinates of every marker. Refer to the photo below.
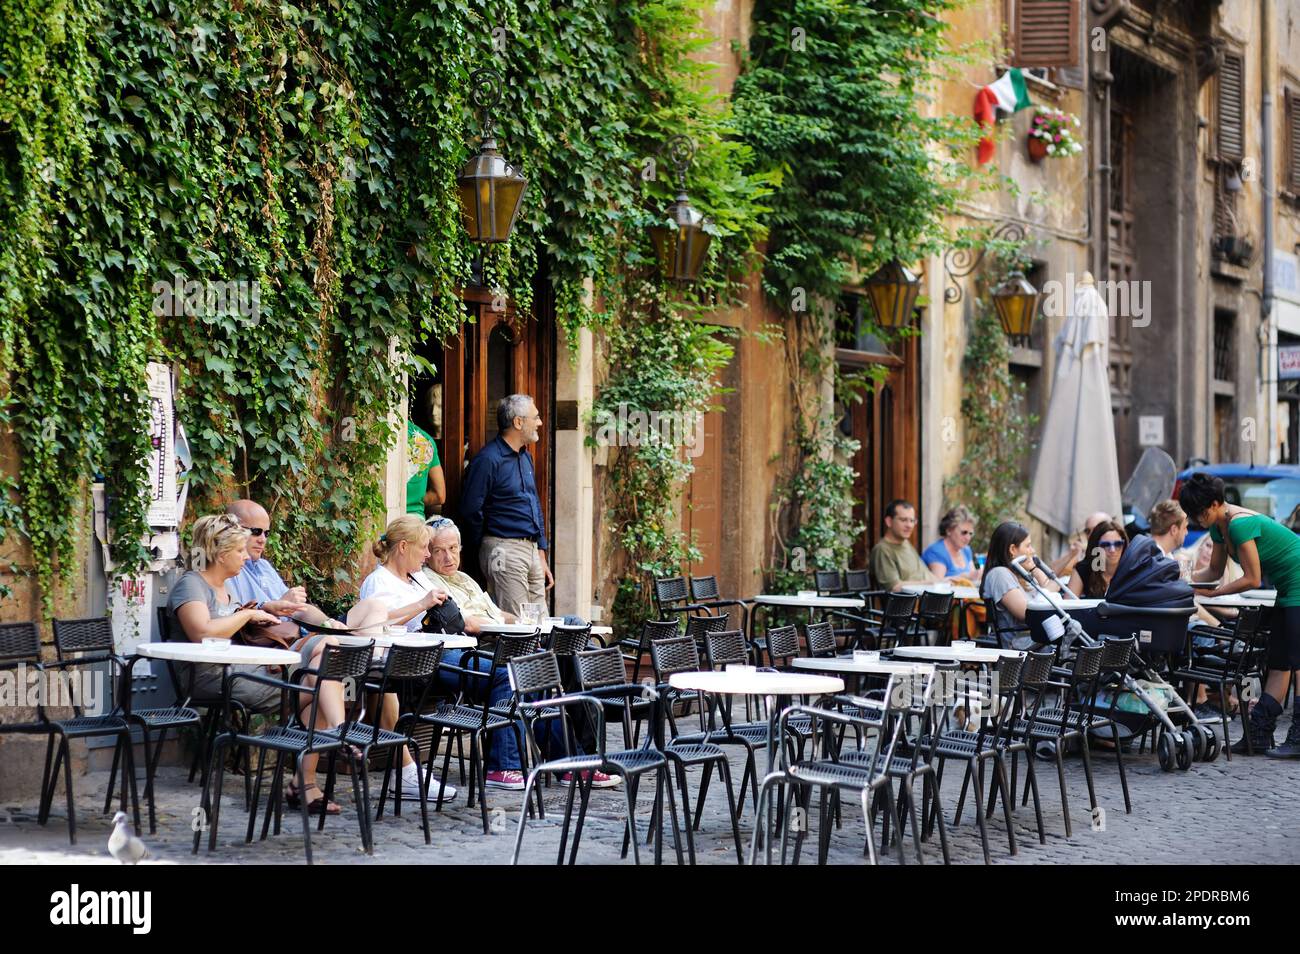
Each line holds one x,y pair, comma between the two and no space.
439,525
509,408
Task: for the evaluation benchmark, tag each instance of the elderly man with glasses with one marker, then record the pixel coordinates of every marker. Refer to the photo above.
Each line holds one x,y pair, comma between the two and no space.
258,582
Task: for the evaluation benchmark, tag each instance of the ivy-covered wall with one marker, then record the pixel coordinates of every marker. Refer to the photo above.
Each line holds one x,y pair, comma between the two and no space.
307,153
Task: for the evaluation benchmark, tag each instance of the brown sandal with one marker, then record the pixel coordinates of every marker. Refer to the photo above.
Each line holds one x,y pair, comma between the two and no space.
316,806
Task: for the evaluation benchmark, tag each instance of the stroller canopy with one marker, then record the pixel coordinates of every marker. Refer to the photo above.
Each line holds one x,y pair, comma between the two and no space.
1146,577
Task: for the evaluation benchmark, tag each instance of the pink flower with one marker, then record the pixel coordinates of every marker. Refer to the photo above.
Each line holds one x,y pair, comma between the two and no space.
1057,137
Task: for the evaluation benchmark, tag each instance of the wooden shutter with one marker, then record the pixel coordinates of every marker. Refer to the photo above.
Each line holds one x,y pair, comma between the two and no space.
1044,32
1291,136
1231,128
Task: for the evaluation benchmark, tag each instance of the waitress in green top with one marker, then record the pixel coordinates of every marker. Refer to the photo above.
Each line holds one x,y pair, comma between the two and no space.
426,486
1263,547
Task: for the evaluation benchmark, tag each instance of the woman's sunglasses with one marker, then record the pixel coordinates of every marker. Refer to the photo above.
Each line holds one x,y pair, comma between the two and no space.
1111,544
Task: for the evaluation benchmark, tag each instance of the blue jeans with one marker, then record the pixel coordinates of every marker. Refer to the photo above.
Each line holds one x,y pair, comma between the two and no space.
503,750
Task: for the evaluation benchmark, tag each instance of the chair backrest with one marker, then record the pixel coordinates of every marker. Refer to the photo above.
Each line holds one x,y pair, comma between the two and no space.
91,634
1037,669
697,627
536,674
346,662
932,609
168,632
679,654
1087,663
653,629
567,640
820,639
898,609
510,645
598,668
1116,651
704,588
782,643
726,648
828,581
1248,622
19,642
670,590
857,581
413,662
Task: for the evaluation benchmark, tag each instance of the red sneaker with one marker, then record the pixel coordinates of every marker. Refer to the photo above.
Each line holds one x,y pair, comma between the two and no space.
511,780
598,779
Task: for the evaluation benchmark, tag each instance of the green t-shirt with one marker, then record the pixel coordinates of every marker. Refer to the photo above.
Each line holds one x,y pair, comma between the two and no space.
421,457
1279,552
893,562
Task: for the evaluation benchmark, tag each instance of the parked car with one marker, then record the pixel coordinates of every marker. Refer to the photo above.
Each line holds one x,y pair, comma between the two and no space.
1270,489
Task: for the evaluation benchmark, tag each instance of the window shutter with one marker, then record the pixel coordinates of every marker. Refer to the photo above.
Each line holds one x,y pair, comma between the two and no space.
1293,142
1045,32
1231,135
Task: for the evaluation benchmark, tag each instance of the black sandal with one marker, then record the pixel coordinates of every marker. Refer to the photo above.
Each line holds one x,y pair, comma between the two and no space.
316,806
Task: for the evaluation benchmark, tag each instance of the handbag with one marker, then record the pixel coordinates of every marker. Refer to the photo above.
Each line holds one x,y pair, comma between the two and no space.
444,618
279,635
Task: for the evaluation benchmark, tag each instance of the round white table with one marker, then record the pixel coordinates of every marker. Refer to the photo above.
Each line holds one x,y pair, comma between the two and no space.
423,640
959,593
227,655
976,654
870,667
809,602
1240,600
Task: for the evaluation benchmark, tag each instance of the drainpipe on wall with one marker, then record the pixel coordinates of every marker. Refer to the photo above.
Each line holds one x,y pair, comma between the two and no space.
1268,324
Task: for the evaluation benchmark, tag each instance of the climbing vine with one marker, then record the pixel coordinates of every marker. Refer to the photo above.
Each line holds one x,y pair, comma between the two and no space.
836,94
263,194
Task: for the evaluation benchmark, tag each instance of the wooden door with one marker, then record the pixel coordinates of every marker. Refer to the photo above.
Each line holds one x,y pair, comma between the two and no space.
702,500
1121,267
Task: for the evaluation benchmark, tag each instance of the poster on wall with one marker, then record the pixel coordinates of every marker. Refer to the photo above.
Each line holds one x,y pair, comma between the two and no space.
130,609
162,448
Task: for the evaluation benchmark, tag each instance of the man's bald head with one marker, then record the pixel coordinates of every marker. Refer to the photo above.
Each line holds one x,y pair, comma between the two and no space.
252,516
1093,520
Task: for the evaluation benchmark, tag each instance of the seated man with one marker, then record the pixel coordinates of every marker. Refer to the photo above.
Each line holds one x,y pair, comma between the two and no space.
258,582
478,609
894,561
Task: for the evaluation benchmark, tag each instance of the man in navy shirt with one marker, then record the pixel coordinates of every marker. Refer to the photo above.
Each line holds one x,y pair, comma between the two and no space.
502,511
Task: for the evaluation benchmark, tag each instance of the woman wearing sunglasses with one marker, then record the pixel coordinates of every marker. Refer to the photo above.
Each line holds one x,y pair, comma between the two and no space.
950,556
1092,574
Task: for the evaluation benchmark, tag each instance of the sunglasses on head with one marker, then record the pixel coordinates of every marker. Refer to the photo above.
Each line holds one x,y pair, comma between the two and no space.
259,532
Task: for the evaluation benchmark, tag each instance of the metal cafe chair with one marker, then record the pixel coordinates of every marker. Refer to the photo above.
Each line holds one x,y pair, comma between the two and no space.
651,629
604,669
536,679
95,635
704,592
933,612
112,723
20,646
1237,657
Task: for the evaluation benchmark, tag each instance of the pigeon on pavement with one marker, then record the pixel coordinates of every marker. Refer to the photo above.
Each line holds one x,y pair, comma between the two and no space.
123,843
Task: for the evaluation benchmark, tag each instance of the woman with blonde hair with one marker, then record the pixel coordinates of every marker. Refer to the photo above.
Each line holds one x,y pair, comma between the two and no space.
201,607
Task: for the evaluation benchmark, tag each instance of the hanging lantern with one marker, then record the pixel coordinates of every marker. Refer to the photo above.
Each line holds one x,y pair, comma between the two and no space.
491,189
1016,302
893,290
681,240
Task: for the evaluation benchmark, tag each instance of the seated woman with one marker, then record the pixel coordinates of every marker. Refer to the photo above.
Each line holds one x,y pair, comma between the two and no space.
1092,574
1008,592
950,556
201,607
479,610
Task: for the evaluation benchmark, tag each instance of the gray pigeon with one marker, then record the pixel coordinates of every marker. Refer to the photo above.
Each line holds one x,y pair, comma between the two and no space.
123,844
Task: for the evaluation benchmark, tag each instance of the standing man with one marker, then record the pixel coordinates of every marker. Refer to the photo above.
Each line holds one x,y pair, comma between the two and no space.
894,561
502,510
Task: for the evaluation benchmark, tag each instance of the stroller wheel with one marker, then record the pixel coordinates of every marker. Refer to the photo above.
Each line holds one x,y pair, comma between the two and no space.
1165,751
1186,749
1197,736
1211,747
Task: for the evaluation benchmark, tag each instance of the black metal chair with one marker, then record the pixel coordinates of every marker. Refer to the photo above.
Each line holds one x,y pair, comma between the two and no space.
604,669
463,716
819,639
567,640
697,627
1237,657
672,597
20,649
536,679
704,592
651,630
993,740
933,612
829,582
1066,722
1000,636
292,741
95,635
407,671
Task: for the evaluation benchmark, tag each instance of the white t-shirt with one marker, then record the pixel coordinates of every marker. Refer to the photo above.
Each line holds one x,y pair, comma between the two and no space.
384,584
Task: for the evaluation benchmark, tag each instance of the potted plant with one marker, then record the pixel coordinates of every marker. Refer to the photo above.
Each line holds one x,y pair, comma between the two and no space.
1052,134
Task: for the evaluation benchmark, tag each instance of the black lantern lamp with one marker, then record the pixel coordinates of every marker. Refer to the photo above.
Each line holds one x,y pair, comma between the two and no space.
681,241
1017,304
893,290
491,189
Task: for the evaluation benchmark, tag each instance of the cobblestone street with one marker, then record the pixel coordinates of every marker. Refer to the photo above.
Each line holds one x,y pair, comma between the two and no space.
1241,811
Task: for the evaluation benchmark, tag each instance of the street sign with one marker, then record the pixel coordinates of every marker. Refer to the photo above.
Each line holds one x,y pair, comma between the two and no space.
1288,362
1151,430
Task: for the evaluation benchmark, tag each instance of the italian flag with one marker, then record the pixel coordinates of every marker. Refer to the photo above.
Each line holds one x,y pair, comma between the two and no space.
1007,94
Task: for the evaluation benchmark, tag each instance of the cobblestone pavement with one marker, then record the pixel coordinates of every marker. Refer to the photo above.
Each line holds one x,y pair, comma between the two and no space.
1241,811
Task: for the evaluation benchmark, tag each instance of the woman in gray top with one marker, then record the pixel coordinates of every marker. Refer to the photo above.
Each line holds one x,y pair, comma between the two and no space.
1008,592
201,607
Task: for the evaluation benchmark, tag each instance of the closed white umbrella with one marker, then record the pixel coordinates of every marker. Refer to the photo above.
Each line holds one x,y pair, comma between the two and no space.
1077,472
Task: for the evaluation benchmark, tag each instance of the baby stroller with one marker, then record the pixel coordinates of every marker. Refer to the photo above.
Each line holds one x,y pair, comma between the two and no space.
1147,599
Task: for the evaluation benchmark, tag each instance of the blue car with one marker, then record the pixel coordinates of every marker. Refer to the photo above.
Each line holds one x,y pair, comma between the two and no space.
1270,489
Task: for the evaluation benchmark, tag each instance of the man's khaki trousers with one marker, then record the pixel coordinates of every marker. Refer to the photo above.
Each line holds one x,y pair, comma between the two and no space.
514,572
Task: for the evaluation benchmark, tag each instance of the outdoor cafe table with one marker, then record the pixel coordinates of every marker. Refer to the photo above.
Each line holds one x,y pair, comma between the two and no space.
797,601
1240,600
421,640
976,654
546,625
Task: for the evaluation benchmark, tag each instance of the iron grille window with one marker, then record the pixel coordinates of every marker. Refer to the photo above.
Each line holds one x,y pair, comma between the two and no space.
1224,324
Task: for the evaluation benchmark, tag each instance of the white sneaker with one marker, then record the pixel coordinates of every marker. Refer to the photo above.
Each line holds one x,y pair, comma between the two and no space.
411,789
